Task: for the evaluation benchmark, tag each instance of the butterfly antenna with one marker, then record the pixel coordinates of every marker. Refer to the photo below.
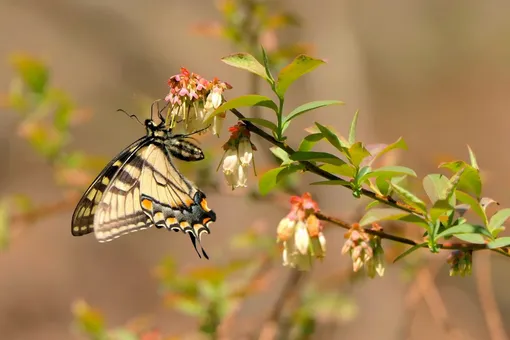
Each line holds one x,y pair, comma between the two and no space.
156,102
160,112
130,116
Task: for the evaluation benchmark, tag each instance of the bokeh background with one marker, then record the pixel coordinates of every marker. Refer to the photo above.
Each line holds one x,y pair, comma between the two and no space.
435,72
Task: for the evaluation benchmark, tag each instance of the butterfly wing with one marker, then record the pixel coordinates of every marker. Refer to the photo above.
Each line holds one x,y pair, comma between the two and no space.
169,199
86,209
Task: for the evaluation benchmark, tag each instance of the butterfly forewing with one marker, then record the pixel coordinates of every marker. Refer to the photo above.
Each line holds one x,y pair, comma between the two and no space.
83,216
119,212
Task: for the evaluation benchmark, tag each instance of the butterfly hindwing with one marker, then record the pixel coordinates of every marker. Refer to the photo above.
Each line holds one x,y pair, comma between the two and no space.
83,216
169,199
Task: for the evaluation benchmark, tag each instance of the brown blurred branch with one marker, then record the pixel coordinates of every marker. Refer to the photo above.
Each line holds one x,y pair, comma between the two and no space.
229,320
291,287
491,313
45,210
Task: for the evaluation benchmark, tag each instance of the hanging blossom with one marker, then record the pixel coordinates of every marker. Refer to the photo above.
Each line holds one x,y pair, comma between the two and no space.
300,233
460,262
365,249
192,98
238,156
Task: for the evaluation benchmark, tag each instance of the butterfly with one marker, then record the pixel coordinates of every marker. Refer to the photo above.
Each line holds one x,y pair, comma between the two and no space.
141,188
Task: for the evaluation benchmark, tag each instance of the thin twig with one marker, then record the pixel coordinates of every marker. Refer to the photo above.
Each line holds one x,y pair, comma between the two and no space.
384,199
488,302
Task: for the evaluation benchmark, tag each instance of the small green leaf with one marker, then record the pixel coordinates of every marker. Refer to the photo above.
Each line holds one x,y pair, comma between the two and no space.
267,67
316,156
471,238
301,65
383,185
473,204
470,180
262,122
308,107
281,154
389,172
500,242
440,208
33,72
342,170
436,186
362,173
472,158
309,141
287,171
498,219
408,197
268,181
381,214
246,62
357,153
380,149
331,137
465,228
352,131
242,101
409,251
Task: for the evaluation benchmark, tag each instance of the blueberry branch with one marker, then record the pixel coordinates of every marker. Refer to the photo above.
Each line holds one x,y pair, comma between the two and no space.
309,166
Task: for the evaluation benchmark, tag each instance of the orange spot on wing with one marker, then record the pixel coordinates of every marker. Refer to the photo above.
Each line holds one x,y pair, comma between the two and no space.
203,204
146,204
205,220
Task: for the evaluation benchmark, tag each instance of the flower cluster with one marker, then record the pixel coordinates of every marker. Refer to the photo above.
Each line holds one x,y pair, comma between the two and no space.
364,249
300,233
460,262
238,156
192,98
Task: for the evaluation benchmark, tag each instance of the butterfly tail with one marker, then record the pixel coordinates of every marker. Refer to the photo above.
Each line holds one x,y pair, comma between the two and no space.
194,241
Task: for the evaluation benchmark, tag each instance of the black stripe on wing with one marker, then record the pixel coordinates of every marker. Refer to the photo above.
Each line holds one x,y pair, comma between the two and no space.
83,215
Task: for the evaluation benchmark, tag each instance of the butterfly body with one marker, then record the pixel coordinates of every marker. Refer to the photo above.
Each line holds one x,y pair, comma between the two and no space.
141,188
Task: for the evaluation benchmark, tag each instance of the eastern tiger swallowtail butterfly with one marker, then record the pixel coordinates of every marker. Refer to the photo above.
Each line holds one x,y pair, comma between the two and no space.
141,188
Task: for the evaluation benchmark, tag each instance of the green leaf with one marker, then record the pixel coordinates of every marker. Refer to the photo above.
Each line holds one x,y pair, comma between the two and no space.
383,185
331,137
409,251
440,208
361,173
380,149
342,170
33,72
267,67
352,130
287,171
436,186
389,171
262,122
500,242
309,141
242,101
381,214
268,180
301,65
308,107
408,197
470,180
357,153
473,203
281,154
471,238
498,219
316,156
246,62
472,158
465,228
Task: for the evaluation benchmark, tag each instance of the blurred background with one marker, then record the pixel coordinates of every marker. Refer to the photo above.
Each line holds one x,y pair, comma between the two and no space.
436,73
